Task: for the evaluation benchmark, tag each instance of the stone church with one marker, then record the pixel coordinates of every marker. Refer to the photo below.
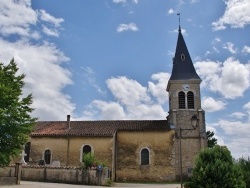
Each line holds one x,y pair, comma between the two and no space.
134,150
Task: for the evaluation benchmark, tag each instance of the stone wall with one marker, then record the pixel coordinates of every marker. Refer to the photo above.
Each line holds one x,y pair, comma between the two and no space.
7,176
68,150
161,161
56,175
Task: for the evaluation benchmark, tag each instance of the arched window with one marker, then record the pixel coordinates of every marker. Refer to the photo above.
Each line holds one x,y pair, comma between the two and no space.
47,156
190,100
181,97
27,152
85,150
144,156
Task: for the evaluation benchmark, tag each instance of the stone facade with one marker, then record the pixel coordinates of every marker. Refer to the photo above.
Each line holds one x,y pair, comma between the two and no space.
161,157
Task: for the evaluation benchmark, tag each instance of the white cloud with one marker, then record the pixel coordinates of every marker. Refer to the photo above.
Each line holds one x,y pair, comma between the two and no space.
238,115
119,1
157,90
237,15
133,101
247,108
216,40
238,133
230,78
212,105
127,27
89,76
45,77
50,32
44,16
128,92
246,49
230,47
171,11
16,17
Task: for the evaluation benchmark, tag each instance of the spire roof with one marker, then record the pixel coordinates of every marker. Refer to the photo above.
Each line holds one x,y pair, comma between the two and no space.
183,68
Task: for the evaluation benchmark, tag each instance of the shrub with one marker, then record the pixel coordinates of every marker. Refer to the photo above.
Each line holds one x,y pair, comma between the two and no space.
214,168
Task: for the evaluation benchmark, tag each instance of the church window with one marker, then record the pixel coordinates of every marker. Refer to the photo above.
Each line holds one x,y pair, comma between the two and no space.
47,156
144,156
27,152
85,150
182,101
190,100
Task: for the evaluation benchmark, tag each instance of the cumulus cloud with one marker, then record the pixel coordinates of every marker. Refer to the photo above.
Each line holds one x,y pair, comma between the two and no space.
41,62
237,15
211,105
157,89
16,17
230,78
131,100
127,27
238,133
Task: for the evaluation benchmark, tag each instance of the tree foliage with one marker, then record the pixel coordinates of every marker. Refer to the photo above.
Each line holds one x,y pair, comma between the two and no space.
215,168
244,164
16,122
211,141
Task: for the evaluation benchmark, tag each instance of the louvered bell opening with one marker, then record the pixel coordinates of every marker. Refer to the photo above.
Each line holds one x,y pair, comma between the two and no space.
181,97
190,100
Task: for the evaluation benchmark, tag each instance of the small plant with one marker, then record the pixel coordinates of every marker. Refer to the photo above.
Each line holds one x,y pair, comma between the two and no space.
88,160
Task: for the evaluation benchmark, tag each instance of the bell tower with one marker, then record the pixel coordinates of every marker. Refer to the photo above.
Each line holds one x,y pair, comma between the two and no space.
185,112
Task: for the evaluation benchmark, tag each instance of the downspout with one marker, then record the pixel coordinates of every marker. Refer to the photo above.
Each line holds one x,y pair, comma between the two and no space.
114,160
68,124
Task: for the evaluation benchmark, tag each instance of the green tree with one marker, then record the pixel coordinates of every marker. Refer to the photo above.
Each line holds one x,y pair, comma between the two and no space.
211,141
215,168
244,164
16,122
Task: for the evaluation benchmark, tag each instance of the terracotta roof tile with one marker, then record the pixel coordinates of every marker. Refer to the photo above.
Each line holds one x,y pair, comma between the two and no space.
96,128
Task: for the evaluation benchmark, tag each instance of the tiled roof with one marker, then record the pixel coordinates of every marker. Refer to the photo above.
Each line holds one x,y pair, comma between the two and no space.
96,128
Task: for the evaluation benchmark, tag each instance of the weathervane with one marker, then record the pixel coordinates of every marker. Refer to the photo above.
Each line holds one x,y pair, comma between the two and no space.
179,15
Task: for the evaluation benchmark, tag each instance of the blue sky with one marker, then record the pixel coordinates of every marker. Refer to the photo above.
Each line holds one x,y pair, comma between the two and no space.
112,59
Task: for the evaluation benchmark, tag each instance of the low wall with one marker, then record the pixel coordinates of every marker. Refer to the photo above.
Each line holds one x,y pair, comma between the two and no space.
70,175
65,175
7,176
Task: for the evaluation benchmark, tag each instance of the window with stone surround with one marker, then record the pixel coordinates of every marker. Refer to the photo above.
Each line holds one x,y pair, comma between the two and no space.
144,156
85,149
181,99
190,100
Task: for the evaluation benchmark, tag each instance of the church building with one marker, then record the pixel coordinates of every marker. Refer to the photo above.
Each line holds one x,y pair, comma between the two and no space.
134,150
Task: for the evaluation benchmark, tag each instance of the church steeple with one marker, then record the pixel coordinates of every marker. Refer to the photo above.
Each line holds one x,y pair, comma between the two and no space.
183,68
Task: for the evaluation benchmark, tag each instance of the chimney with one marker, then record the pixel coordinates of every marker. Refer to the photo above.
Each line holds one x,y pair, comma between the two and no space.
68,121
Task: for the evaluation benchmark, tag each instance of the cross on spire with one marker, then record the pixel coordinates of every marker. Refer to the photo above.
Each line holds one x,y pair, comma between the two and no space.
179,15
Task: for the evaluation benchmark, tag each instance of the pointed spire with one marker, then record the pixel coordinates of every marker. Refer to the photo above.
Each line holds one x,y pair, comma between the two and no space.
183,68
